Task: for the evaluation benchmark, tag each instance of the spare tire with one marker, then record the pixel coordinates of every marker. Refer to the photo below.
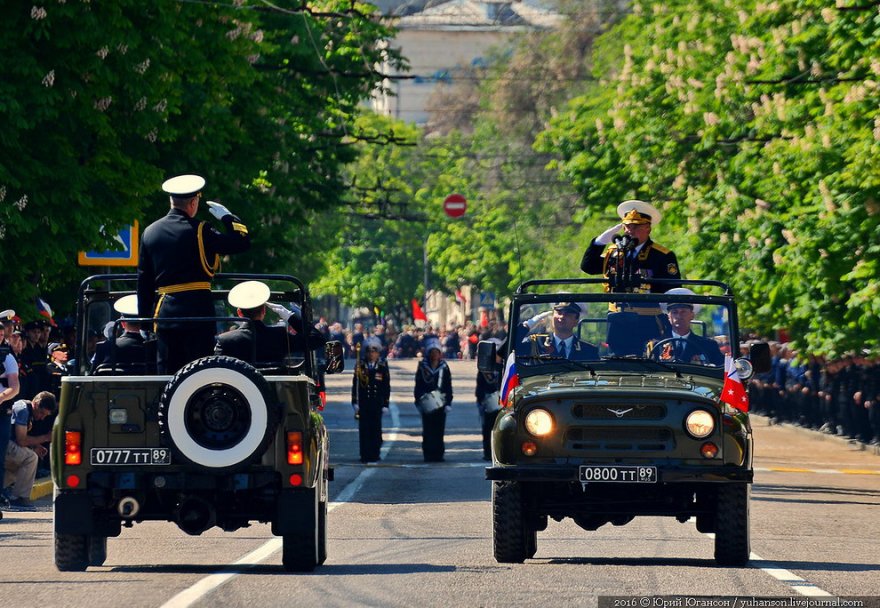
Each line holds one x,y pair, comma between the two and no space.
218,413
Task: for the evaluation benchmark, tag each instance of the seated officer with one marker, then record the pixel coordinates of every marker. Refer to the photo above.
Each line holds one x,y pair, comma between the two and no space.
562,342
686,346
257,343
131,353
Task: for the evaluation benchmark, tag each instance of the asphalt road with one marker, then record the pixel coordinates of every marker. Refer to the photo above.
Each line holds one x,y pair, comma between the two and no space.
402,533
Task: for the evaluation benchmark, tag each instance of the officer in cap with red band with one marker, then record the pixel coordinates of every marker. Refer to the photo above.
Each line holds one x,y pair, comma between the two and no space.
644,257
179,255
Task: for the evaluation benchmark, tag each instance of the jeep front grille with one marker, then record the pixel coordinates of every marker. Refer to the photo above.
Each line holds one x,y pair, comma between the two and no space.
655,439
599,411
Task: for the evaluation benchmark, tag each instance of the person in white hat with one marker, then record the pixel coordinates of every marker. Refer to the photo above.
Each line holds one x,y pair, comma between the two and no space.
178,258
609,251
129,352
685,345
256,342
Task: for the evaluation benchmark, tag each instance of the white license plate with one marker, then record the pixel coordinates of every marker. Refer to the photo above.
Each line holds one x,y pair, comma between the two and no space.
120,456
618,474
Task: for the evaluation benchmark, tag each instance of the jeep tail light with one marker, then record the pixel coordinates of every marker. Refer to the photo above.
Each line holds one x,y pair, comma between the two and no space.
72,447
323,397
294,447
73,481
296,480
529,448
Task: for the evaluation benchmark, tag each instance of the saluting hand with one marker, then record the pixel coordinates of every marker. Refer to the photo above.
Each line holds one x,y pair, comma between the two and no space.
606,237
217,210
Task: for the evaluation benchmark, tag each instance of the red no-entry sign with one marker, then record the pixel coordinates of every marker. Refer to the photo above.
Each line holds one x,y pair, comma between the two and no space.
455,205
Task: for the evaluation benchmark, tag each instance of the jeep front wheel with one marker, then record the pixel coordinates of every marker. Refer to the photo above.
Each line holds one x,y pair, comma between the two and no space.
218,412
732,545
512,543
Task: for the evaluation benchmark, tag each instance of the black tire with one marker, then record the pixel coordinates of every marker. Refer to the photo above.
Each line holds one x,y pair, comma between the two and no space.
71,552
531,543
322,524
509,534
97,550
301,552
732,543
218,413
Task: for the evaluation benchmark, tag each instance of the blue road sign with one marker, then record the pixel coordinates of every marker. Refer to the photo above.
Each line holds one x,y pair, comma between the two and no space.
125,255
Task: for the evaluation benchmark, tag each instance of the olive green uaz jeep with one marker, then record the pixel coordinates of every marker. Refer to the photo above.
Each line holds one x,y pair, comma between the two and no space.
629,421
220,443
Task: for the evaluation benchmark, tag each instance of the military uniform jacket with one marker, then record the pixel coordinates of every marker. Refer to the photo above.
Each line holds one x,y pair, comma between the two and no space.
429,379
371,384
697,349
132,352
580,350
653,261
179,255
273,343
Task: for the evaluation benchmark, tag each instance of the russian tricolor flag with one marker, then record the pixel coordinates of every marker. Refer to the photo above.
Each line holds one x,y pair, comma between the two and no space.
510,380
44,309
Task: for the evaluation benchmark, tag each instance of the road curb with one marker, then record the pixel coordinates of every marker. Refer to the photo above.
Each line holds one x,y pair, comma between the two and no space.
851,443
42,487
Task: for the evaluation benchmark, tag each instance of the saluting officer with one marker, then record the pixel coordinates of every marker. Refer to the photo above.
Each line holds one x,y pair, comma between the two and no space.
178,258
644,257
370,394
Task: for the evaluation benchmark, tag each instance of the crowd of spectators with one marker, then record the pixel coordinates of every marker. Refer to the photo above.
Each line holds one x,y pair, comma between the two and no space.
833,396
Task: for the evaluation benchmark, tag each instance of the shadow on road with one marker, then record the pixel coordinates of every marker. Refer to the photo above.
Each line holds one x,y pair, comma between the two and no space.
276,569
779,493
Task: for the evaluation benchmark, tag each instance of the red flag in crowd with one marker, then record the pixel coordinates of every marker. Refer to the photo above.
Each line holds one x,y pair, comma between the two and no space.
418,313
734,392
459,297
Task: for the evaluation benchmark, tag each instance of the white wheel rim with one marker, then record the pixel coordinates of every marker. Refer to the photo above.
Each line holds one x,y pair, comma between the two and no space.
177,413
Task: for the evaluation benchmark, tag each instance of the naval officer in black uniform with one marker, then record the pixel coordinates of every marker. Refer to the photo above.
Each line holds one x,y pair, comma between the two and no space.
257,343
178,258
130,352
647,259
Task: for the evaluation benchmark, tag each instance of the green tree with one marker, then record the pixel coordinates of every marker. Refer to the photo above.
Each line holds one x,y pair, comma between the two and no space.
102,101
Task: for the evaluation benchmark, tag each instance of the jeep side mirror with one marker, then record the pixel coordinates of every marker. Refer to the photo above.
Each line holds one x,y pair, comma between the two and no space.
759,355
334,355
486,351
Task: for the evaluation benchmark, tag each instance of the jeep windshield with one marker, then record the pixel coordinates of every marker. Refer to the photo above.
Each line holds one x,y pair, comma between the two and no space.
629,331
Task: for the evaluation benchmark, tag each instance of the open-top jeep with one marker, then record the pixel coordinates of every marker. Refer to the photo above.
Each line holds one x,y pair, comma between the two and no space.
629,422
220,443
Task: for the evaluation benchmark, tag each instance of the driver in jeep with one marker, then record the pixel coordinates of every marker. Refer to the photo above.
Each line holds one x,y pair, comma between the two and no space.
683,344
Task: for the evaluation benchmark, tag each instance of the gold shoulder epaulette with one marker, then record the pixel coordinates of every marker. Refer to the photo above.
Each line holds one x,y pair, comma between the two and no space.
660,248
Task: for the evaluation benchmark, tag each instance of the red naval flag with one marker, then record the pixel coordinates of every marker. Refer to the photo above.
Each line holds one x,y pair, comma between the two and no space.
734,392
418,313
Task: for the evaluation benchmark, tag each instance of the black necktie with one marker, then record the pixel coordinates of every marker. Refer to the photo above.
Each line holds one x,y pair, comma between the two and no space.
562,349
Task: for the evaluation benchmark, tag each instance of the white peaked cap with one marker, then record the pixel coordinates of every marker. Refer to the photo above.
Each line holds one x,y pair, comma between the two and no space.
249,294
183,186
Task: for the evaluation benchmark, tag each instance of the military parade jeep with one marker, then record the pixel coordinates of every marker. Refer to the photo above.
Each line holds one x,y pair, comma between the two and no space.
629,428
220,443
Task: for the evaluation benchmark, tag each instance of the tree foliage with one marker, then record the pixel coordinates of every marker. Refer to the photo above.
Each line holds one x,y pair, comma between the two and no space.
101,102
754,125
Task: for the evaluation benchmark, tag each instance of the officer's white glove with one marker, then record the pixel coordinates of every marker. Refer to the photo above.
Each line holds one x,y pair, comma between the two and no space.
538,318
606,237
279,310
217,210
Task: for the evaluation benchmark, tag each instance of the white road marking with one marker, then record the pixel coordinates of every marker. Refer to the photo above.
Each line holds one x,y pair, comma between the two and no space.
193,594
796,583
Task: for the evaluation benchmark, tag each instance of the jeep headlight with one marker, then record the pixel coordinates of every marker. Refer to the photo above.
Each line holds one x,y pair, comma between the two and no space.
539,422
699,424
